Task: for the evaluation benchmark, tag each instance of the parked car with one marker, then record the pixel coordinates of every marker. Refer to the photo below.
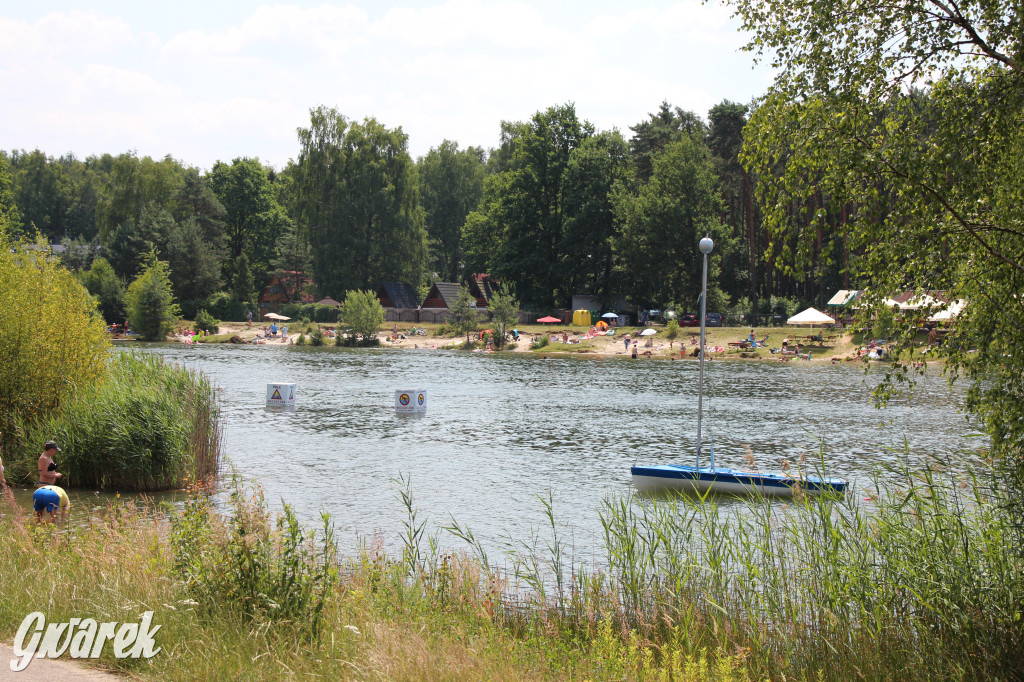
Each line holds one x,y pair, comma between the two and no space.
689,320
713,320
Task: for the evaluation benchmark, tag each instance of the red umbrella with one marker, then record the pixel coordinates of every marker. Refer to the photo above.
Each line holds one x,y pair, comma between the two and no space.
549,319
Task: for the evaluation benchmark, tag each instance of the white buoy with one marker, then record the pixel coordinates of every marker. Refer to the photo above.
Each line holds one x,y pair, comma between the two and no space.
281,395
414,400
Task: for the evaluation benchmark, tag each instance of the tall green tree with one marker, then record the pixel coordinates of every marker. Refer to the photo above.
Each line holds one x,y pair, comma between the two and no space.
529,213
356,202
661,129
933,183
10,219
451,186
107,288
662,224
253,219
152,310
595,170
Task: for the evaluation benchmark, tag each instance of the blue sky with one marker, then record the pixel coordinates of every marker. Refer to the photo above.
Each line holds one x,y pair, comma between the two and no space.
208,81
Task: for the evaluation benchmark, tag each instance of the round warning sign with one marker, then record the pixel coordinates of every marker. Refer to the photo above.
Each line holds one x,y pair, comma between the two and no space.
404,398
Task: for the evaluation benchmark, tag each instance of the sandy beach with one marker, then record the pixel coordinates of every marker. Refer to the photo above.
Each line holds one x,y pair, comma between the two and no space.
721,342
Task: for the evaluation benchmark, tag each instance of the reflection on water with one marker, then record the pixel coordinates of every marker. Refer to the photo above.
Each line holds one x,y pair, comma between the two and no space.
502,429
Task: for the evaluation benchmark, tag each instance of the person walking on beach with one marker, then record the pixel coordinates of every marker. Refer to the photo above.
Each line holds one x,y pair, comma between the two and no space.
248,316
48,474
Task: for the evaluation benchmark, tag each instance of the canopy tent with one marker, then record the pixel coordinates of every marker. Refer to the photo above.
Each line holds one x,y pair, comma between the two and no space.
949,312
844,297
811,316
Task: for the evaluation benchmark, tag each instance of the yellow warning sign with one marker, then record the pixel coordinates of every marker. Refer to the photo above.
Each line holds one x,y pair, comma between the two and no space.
276,395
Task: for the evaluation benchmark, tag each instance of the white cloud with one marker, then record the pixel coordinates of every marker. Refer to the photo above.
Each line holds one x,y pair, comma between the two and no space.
59,33
240,86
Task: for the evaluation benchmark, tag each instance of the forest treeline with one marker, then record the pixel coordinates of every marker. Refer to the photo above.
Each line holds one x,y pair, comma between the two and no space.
556,208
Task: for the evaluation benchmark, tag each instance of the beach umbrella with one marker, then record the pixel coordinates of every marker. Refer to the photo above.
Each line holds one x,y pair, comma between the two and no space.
275,316
549,319
610,315
649,332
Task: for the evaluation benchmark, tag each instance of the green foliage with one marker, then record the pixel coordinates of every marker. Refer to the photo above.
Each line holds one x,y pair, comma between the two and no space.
107,287
152,311
253,219
362,312
269,574
523,215
206,322
316,337
301,341
10,219
671,330
928,180
462,316
144,426
540,341
356,203
664,221
451,186
52,340
505,312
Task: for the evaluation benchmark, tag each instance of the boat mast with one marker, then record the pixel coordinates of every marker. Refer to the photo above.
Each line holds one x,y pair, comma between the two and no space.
706,245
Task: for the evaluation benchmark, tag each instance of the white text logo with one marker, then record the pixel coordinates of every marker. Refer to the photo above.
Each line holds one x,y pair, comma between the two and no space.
81,638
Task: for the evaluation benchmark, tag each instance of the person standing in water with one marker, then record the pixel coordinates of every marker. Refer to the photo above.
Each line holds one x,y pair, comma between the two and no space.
48,474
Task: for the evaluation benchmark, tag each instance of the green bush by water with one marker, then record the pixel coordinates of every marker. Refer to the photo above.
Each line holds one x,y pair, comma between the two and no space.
147,426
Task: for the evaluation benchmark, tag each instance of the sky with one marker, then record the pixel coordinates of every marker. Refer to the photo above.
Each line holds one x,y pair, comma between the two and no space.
220,79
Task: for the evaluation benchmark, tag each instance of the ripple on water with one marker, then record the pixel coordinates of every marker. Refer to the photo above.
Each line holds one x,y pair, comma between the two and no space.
502,429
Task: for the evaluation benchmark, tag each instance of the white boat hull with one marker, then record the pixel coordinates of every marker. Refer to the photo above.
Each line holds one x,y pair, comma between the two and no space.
718,481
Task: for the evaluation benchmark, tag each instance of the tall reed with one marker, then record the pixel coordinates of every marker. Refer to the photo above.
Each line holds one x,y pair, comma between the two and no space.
146,426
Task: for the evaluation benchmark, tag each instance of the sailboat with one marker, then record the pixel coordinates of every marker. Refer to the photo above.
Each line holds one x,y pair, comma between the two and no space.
719,480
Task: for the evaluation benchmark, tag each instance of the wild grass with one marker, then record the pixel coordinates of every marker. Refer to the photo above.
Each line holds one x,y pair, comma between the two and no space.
147,426
923,582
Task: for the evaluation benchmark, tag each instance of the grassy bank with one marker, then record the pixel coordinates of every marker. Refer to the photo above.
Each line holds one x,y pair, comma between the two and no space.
146,425
923,582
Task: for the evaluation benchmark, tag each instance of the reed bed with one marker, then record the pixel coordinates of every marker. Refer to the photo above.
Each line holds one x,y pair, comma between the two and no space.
147,426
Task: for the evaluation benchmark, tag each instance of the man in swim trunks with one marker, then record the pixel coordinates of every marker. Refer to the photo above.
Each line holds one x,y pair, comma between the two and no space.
48,474
51,498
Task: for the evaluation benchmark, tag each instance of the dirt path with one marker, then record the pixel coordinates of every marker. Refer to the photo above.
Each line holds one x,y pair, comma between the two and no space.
46,670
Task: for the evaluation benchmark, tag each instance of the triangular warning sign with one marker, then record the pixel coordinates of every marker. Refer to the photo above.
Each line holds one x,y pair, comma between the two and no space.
276,395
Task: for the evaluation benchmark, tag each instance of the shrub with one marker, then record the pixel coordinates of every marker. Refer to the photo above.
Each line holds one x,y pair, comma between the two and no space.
316,337
206,322
671,329
147,426
223,306
51,338
242,564
301,341
363,314
104,284
539,341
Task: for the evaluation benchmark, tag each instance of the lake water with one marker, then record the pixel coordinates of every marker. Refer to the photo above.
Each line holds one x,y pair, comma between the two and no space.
502,429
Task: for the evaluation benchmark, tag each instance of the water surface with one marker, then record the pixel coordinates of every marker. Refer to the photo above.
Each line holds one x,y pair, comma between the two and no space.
502,429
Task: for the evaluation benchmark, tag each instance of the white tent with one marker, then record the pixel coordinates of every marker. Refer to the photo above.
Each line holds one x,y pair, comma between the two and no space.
949,312
811,316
